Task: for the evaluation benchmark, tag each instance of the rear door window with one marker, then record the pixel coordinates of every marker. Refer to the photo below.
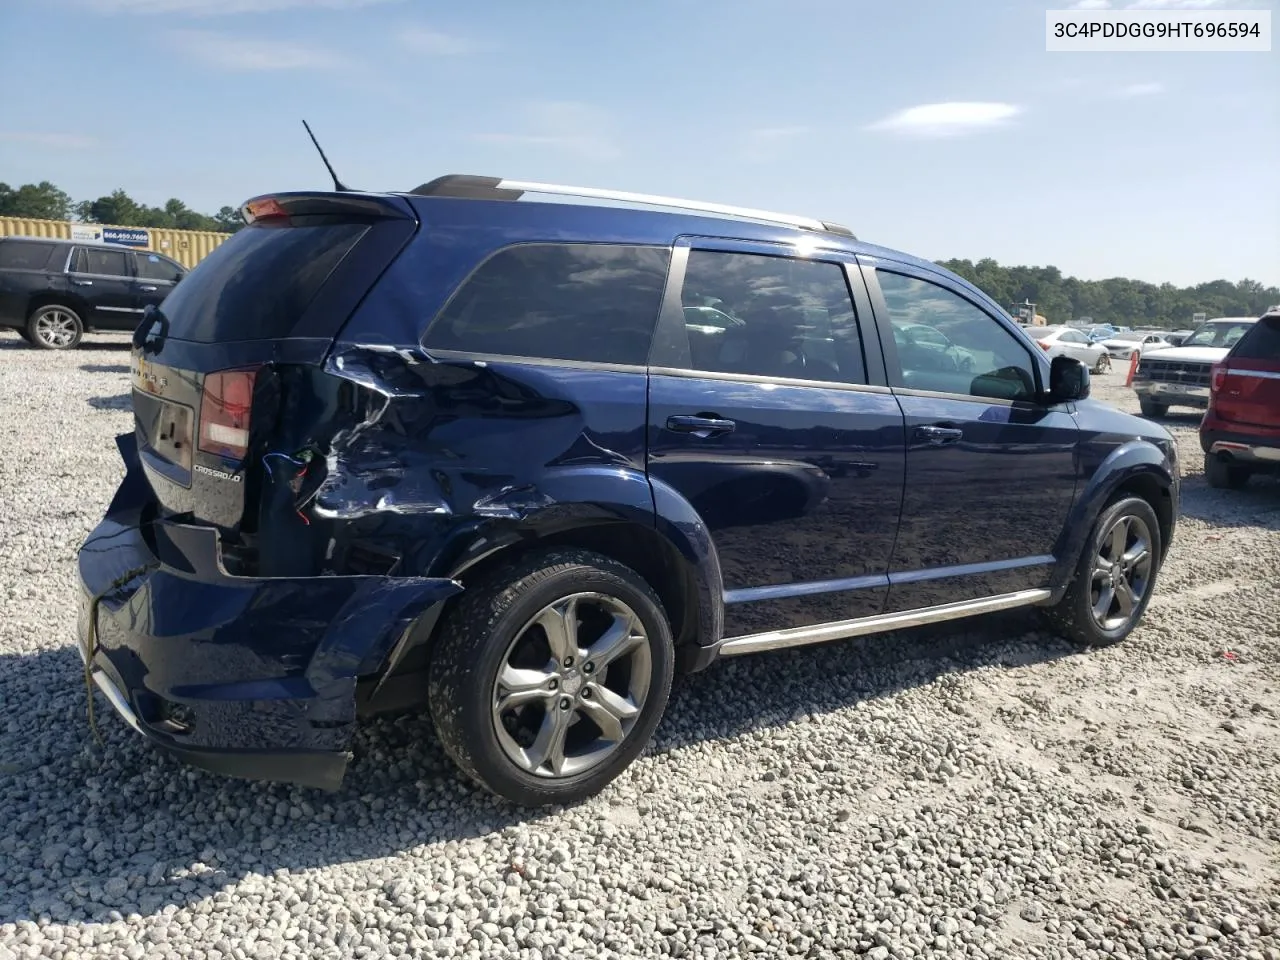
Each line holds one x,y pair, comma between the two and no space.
557,301
784,317
101,263
257,284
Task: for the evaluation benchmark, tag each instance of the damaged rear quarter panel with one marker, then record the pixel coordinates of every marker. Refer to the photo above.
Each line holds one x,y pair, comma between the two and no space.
437,457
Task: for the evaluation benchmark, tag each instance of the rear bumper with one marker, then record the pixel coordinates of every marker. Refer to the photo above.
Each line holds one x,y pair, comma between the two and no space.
251,677
1172,394
1259,445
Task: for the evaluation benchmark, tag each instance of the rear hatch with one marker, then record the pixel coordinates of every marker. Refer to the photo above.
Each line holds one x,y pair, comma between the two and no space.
1246,384
212,366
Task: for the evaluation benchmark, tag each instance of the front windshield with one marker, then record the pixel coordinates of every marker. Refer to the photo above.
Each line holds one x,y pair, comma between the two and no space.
1217,334
1132,337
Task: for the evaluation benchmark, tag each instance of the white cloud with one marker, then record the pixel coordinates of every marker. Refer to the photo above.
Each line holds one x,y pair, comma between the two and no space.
948,119
209,8
241,54
435,43
1090,5
57,141
566,126
1142,89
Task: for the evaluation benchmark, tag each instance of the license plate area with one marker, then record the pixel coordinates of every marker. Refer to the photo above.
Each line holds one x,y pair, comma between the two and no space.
165,428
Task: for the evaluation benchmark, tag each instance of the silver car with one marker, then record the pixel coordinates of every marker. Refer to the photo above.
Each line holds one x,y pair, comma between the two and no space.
1070,342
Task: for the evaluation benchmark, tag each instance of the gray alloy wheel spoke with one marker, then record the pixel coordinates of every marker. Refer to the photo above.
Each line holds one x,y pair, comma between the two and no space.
619,640
1125,598
609,711
560,623
548,749
1137,555
559,709
1103,606
1119,537
1102,568
523,686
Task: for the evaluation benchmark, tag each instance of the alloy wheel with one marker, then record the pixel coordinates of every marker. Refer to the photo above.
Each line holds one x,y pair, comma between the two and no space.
56,328
572,685
1121,572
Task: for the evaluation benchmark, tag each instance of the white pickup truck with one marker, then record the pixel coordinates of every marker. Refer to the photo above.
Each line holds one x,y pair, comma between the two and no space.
1179,376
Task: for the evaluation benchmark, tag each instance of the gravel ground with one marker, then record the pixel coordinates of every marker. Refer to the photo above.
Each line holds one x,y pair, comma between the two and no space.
973,790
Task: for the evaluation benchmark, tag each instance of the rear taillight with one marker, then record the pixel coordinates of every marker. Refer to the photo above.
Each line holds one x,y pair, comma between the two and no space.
224,412
1217,376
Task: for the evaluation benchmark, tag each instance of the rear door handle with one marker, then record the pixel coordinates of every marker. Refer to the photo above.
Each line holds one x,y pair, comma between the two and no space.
83,283
938,436
701,427
149,289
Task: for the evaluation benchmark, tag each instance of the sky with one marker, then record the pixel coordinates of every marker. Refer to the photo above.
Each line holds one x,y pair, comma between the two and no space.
940,128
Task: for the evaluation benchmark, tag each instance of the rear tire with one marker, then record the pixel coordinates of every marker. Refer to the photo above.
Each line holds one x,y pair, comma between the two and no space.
1222,474
549,677
1114,577
55,327
1150,408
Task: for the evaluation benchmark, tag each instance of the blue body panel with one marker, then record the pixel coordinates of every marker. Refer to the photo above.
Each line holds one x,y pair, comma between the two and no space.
820,506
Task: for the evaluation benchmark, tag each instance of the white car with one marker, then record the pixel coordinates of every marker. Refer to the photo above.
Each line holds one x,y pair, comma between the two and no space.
1070,342
1122,346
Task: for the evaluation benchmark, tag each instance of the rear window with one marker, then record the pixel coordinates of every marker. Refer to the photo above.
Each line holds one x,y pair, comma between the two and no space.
16,255
1262,342
258,284
581,301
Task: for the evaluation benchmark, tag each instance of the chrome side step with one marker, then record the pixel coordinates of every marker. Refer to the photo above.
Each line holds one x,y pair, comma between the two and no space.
880,623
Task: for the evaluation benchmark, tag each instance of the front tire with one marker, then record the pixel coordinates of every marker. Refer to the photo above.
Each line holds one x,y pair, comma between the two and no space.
1222,474
1114,578
55,327
1151,408
549,677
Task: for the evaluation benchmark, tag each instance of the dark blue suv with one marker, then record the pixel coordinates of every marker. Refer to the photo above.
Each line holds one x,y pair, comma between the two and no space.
522,461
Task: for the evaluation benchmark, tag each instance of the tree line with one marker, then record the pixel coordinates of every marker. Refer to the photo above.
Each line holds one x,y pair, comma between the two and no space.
1118,300
44,201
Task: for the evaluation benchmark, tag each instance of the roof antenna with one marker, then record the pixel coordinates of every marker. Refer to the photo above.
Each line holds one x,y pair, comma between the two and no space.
337,184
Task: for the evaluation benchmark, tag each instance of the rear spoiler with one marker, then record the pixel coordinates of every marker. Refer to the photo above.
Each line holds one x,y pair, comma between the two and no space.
340,206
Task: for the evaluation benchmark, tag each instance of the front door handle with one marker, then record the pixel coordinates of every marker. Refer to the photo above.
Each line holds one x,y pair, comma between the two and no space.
149,289
701,427
937,436
83,283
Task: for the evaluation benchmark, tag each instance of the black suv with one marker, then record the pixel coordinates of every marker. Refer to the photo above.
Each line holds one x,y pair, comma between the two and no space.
54,291
522,461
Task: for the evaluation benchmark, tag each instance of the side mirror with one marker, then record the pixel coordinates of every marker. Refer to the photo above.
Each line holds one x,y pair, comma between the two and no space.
1068,380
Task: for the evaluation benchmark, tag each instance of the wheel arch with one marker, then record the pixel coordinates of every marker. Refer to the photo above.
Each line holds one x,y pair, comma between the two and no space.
660,536
50,299
1139,468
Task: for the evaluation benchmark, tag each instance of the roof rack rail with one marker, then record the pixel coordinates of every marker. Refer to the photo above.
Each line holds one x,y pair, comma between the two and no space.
471,187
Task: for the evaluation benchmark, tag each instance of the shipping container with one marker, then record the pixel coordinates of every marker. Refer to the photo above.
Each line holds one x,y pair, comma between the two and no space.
188,247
